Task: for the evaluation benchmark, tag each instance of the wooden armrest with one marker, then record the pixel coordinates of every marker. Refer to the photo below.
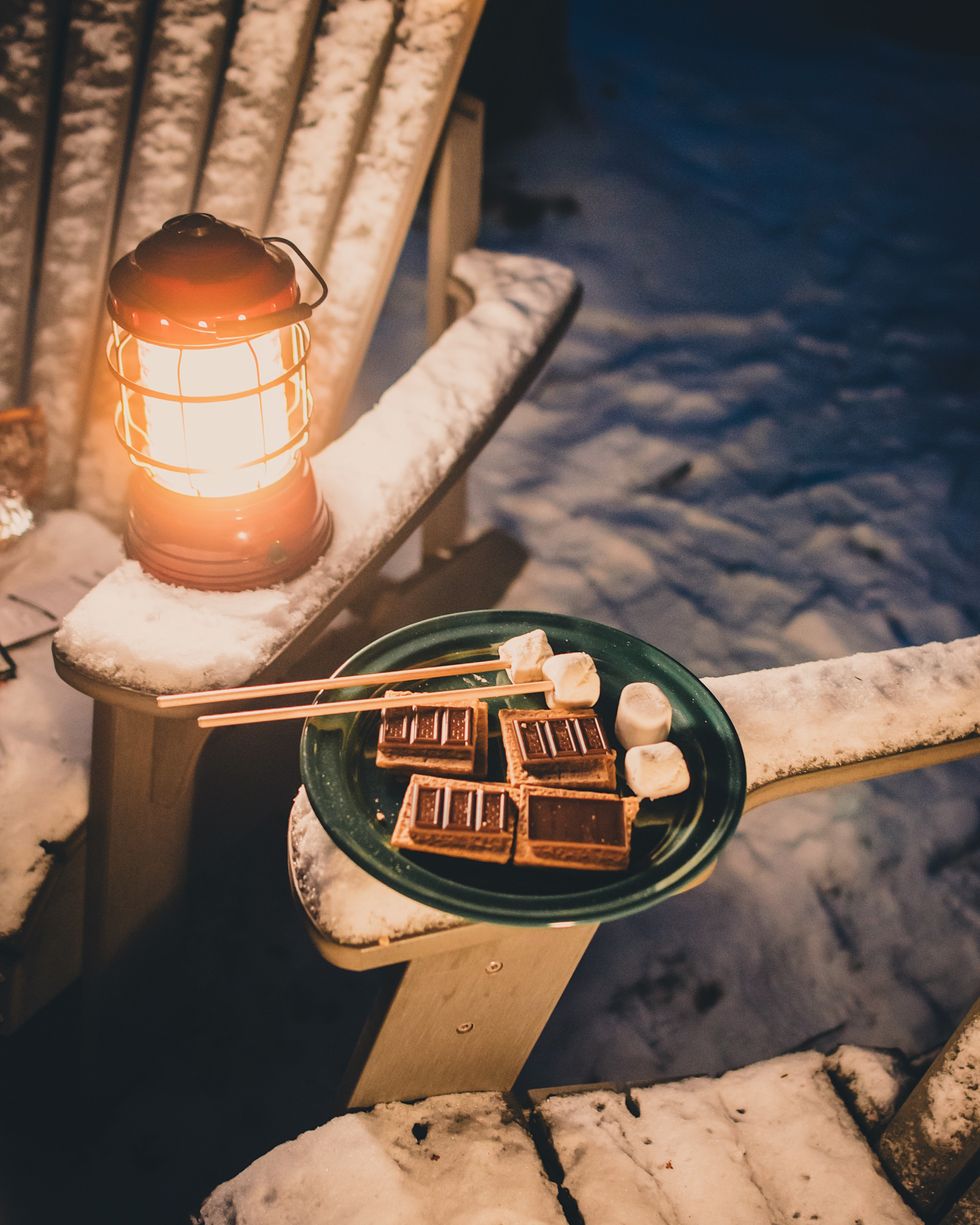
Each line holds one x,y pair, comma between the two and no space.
133,637
836,721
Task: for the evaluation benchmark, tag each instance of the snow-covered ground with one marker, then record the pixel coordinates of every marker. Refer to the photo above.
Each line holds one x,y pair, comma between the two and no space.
759,446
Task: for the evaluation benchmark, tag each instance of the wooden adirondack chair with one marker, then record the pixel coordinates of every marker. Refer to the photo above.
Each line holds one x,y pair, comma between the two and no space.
321,127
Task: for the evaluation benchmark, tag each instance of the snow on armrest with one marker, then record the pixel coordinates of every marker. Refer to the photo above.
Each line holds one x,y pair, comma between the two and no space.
133,630
345,903
834,712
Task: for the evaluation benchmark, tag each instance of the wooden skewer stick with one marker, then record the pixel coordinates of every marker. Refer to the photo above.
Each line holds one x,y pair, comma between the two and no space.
315,709
205,696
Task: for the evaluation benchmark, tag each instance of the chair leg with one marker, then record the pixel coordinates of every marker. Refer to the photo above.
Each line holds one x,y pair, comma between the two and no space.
142,787
466,1020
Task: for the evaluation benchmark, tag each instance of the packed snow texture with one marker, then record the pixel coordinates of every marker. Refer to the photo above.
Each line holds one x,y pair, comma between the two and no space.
45,726
872,1078
179,86
346,903
349,51
830,712
103,41
137,631
22,56
363,250
268,58
953,1089
769,1142
455,1160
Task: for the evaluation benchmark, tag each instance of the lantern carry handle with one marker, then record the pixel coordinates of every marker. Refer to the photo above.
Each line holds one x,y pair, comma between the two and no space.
227,329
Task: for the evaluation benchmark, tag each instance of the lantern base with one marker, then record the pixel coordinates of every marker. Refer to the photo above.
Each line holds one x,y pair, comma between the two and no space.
228,544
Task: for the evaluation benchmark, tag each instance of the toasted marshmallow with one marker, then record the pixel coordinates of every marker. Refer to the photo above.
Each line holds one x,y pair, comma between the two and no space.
524,655
656,770
575,679
643,716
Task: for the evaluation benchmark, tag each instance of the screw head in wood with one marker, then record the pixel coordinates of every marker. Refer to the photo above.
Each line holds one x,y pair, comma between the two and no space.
494,967
465,1027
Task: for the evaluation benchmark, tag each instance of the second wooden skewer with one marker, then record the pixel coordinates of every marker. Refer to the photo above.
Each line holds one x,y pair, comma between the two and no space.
318,709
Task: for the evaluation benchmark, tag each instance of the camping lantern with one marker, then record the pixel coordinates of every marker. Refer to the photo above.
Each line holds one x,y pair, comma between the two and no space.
209,346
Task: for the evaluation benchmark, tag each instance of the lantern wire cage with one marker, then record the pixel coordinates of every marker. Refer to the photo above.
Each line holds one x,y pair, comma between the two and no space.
205,442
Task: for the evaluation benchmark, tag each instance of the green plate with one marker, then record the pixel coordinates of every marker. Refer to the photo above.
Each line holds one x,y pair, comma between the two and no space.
674,839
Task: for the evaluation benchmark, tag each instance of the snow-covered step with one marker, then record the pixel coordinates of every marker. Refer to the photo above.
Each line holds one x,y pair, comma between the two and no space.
871,1083
769,1142
463,1159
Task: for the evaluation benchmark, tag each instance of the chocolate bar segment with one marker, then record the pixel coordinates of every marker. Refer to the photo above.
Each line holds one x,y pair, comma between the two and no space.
439,731
456,817
576,818
561,828
557,748
448,739
447,806
562,739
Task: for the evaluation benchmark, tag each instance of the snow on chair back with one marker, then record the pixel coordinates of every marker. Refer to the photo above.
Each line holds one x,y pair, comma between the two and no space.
321,126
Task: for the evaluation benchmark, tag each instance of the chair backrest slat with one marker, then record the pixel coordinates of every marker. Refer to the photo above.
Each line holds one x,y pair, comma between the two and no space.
26,42
180,85
261,86
325,125
351,49
102,55
431,42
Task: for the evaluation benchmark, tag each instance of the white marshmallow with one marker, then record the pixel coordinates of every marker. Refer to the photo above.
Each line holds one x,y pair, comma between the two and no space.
524,655
643,716
656,770
575,679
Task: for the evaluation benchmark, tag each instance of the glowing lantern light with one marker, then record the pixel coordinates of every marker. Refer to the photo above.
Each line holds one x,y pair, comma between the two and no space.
209,346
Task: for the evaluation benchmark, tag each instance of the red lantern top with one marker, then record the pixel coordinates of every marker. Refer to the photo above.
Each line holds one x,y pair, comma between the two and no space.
198,280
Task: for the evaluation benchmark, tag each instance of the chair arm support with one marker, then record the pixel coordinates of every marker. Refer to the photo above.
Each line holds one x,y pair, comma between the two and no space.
133,637
834,721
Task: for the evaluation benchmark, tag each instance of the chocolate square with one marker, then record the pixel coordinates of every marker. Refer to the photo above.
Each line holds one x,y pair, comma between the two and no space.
456,817
448,739
567,828
557,748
